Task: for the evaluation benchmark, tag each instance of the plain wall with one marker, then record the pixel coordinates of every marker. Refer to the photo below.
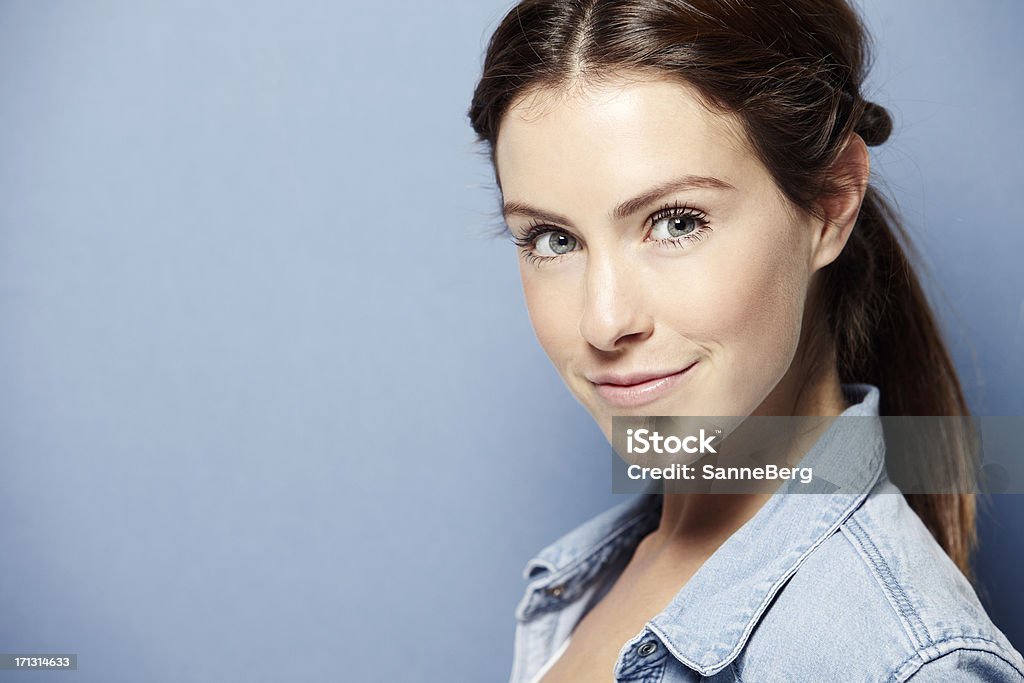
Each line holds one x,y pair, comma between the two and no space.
270,404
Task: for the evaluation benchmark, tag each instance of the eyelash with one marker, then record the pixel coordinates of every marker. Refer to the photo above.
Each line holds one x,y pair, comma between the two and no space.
673,210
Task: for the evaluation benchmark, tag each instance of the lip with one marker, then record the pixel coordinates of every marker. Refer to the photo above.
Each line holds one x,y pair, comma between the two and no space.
637,389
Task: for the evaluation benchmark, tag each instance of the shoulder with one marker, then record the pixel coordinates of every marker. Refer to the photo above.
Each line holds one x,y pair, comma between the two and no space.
879,600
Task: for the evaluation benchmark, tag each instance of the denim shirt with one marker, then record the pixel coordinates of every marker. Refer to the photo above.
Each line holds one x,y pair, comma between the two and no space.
815,587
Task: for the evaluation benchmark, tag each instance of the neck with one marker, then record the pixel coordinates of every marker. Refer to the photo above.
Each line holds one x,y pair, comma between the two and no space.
699,523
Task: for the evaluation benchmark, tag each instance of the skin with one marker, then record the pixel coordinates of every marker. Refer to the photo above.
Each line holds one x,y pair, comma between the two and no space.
630,297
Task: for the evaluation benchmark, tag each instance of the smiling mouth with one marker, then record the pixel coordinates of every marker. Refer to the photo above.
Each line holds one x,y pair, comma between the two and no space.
631,391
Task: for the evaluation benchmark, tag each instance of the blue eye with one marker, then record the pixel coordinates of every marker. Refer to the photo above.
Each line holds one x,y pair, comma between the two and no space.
553,243
675,226
678,226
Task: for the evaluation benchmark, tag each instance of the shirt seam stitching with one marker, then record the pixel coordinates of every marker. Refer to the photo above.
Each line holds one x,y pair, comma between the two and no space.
995,650
894,593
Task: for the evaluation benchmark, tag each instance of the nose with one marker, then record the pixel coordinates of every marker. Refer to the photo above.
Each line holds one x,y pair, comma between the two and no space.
613,310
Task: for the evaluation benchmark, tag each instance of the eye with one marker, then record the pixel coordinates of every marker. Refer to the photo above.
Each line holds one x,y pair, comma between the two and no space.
678,225
553,243
544,243
671,227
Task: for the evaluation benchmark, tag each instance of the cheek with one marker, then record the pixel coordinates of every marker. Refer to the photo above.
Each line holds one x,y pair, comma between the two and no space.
766,299
553,310
745,303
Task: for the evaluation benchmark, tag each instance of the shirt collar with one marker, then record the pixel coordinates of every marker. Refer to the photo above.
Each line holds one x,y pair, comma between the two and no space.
564,569
708,622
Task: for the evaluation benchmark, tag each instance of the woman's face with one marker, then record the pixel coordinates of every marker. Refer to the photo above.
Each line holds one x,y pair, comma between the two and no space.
664,272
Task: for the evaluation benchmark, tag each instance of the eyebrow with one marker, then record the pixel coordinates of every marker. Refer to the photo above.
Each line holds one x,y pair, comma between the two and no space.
628,207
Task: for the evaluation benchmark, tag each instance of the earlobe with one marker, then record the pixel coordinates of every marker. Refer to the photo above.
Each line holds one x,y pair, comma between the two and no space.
839,210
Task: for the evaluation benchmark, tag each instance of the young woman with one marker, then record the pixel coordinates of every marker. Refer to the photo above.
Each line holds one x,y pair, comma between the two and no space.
687,184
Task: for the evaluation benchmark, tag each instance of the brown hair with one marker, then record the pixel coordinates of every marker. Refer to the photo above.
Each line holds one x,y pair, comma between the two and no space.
792,71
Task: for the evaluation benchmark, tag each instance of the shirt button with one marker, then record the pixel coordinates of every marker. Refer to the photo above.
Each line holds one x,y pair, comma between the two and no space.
556,591
647,648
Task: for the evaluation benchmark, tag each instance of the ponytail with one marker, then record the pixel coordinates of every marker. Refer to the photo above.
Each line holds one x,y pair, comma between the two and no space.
886,334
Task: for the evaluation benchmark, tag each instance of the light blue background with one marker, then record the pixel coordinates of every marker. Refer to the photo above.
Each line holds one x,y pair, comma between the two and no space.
270,405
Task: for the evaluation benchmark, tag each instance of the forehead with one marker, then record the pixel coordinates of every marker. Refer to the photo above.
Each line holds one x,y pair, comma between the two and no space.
596,142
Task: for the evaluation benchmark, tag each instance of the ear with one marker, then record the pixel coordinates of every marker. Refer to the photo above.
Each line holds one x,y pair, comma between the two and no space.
840,209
